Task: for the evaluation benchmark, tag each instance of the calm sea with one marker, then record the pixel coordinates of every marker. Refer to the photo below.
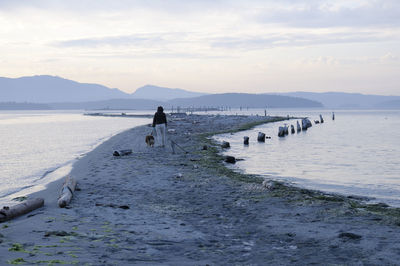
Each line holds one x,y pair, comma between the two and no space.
38,147
358,153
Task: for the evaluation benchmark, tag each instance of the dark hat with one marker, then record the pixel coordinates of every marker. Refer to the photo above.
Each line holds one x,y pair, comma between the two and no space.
160,109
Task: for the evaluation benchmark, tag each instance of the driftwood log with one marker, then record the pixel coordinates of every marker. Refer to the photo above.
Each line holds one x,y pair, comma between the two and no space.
8,213
67,192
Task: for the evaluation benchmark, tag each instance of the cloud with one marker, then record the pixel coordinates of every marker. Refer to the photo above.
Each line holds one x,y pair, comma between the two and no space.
300,39
329,13
144,40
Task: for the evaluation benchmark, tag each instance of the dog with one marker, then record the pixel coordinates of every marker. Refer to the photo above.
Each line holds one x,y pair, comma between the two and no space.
150,140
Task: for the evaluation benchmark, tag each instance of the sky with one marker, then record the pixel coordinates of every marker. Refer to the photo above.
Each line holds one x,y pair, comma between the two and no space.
213,46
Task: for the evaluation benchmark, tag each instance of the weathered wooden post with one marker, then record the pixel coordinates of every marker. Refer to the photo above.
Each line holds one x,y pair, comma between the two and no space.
292,129
261,137
246,140
281,132
298,127
321,119
286,129
333,116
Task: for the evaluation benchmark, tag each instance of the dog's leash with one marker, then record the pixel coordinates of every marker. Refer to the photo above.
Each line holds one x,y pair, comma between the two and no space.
173,143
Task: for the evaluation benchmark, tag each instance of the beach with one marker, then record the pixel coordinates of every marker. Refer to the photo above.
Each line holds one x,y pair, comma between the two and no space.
156,207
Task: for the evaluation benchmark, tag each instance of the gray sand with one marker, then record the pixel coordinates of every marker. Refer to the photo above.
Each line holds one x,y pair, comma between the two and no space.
158,208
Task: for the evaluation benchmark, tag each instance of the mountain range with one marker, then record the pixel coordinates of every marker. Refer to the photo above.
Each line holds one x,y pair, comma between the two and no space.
51,92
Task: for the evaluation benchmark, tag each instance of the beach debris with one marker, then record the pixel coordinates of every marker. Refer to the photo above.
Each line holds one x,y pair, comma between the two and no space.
321,119
298,127
225,145
261,137
122,152
178,175
246,140
8,213
67,191
171,131
124,207
205,147
269,184
348,236
316,121
305,123
230,159
292,129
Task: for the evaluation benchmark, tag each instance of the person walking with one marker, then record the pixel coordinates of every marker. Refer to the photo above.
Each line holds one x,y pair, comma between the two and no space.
160,123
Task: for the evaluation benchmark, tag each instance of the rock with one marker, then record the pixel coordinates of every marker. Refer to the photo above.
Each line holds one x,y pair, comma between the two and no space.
179,175
246,140
269,184
305,123
230,159
261,137
349,236
205,147
225,145
122,152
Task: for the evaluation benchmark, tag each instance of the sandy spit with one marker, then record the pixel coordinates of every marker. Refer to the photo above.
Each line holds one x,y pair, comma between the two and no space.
158,208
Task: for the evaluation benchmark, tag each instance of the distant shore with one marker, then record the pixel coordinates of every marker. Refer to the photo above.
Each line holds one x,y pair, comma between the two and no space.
158,208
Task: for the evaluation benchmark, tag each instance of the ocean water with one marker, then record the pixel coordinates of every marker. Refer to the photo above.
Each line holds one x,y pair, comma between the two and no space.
38,147
358,153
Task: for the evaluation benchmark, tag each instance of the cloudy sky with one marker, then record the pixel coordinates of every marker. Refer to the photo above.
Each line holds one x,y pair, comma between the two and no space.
212,46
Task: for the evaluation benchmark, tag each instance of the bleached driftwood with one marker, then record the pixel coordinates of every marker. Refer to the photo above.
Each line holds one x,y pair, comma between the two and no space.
8,213
67,192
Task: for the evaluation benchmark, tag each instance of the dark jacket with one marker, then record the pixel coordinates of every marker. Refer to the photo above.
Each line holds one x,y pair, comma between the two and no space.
159,118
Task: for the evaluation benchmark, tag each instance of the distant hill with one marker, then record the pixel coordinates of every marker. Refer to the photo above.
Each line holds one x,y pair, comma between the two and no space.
395,104
237,100
344,100
46,89
23,106
163,94
114,104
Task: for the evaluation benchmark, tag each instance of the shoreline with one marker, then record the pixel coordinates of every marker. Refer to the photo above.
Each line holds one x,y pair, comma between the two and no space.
155,207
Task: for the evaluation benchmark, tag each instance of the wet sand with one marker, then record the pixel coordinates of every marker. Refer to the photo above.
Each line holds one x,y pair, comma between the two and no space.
154,207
